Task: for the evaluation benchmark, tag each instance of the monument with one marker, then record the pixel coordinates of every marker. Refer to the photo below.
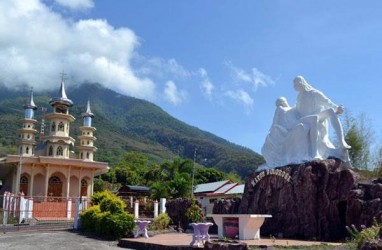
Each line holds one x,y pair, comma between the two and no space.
306,185
301,133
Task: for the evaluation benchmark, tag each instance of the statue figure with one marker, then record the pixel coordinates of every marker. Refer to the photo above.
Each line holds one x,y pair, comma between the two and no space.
301,133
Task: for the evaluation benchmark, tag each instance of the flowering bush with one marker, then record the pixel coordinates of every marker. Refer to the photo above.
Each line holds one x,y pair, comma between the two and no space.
366,234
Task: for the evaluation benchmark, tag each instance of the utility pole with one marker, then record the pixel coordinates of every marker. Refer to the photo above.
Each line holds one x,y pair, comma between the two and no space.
193,175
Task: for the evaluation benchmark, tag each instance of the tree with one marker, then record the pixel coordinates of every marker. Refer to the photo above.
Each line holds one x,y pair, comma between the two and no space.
359,135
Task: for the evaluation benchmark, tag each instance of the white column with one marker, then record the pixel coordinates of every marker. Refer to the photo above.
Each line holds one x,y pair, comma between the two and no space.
30,208
32,182
155,209
22,208
68,182
69,208
162,202
136,209
47,172
92,184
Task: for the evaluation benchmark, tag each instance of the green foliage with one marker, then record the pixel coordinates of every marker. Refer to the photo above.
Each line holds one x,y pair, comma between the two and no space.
126,124
106,217
99,185
206,175
359,136
161,222
366,234
89,218
194,212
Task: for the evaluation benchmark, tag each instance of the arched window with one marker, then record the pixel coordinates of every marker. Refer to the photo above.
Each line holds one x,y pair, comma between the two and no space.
60,151
82,155
53,127
27,150
54,180
87,155
60,127
21,149
88,142
50,153
84,187
23,180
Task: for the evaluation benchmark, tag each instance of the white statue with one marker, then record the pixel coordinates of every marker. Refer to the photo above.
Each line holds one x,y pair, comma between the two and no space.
300,133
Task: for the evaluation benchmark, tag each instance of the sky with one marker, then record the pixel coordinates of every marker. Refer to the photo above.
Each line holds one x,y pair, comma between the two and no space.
216,65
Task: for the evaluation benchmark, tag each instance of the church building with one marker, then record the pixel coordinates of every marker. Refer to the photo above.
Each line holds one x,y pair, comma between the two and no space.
49,167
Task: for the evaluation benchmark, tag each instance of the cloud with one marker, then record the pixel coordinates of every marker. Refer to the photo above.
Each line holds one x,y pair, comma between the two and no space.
255,78
242,97
160,68
207,86
37,43
173,94
76,4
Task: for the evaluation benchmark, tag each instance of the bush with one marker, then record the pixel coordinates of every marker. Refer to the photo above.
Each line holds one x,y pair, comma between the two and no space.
106,217
194,212
161,222
366,234
89,217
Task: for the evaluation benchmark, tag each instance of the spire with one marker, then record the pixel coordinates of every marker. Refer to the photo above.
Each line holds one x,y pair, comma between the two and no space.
62,99
88,115
88,112
30,104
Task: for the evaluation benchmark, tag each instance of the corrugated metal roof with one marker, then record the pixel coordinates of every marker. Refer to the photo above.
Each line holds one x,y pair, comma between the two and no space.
225,188
209,187
239,189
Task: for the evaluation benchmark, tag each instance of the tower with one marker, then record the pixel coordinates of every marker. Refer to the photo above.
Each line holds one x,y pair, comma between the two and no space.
58,141
87,138
27,133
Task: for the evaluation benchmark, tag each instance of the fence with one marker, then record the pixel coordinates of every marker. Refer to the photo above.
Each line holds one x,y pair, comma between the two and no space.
41,212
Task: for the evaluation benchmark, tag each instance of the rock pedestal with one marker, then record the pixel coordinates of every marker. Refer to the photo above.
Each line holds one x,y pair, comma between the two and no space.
314,200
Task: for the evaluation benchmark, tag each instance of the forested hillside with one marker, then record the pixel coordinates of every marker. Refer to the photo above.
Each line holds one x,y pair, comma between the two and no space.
128,124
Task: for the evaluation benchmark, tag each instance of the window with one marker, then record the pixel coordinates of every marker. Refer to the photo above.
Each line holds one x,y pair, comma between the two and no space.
84,183
60,127
82,155
50,153
87,155
60,151
27,150
28,136
21,150
53,127
54,180
88,142
29,125
23,180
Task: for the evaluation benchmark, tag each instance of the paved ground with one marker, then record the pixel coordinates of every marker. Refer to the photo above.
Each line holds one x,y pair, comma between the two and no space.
183,239
55,240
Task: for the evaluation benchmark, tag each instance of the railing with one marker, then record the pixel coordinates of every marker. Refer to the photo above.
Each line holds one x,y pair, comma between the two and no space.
40,210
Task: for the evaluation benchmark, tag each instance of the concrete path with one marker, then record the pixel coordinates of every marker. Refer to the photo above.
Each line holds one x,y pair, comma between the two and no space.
53,240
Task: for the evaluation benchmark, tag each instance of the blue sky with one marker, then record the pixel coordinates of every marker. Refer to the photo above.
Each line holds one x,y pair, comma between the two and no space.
216,65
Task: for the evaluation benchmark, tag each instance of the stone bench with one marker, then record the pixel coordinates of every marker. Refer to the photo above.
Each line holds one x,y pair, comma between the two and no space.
249,224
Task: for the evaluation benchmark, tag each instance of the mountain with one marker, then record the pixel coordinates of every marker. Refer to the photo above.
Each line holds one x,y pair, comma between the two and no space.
129,124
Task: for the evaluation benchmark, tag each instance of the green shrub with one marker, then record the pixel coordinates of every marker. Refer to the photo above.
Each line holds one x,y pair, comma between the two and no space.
366,234
99,196
108,218
89,217
194,212
161,222
112,204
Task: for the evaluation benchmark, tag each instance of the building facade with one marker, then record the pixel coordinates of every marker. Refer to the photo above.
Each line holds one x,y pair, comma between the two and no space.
49,167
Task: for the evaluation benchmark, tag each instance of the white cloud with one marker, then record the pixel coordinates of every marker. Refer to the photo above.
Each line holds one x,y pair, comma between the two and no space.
76,4
173,94
37,43
255,78
207,86
159,67
242,97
